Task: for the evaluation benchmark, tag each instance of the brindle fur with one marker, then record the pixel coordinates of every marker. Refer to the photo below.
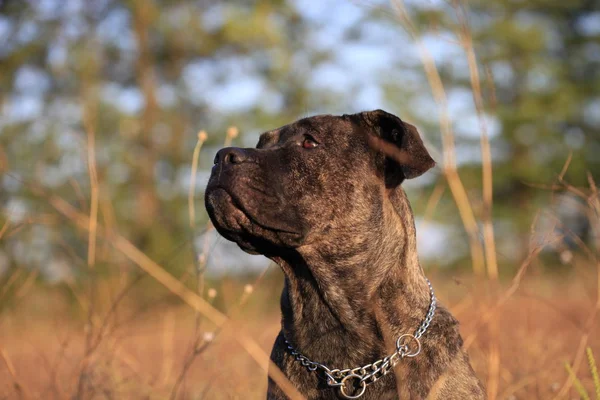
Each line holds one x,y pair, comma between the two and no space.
340,226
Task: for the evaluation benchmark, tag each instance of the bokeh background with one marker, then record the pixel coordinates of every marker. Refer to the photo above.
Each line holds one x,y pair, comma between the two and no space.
102,171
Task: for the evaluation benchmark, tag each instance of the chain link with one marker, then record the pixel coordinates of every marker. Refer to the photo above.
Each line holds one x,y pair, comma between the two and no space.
371,373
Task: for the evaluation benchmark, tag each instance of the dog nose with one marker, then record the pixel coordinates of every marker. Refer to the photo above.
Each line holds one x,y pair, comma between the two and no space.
231,155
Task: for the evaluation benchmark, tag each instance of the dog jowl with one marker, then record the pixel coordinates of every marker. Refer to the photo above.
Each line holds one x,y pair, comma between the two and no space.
322,197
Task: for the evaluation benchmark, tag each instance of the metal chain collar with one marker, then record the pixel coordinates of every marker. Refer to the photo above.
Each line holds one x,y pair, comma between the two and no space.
371,373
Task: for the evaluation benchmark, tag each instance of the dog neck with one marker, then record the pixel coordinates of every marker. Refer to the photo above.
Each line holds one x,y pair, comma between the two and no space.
345,304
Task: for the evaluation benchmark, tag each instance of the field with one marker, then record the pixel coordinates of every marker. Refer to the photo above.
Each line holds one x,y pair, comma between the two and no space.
519,340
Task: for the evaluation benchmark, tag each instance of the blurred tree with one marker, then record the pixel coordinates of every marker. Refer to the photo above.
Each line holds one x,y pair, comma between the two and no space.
540,67
144,76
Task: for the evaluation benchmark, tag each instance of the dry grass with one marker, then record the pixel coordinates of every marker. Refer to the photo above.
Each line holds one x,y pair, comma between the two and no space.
97,341
43,343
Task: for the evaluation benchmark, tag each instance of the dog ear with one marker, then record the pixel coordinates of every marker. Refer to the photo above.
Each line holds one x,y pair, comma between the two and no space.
399,141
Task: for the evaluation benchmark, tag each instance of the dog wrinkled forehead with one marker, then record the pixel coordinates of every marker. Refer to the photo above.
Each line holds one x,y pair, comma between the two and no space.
268,138
318,124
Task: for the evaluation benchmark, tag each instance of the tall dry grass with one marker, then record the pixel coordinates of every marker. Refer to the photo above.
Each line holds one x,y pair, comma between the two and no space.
179,344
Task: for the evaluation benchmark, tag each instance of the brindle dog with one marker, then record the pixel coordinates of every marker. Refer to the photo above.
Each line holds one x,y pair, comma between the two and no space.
322,198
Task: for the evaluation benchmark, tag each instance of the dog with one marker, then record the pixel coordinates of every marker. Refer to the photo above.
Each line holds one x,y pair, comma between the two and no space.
322,197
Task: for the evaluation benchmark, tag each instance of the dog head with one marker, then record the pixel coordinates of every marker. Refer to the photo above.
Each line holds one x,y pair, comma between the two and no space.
312,179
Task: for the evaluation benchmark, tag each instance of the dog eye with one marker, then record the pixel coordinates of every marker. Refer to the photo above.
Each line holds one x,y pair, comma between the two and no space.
309,143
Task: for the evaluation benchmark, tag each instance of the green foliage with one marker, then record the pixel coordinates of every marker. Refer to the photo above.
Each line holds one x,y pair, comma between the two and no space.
577,382
594,371
540,82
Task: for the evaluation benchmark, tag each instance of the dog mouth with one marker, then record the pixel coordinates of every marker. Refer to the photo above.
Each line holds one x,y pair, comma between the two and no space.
226,211
237,223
